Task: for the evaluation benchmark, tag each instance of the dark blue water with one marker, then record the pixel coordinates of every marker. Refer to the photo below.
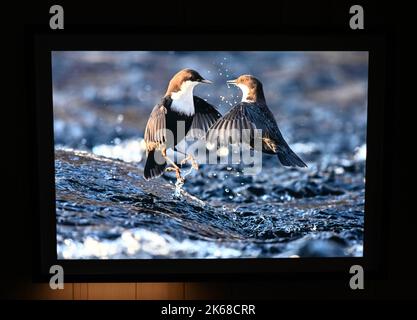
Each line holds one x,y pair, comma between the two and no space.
106,210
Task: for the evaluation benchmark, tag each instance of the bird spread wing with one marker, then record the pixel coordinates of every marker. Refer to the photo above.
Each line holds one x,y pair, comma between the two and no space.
239,124
155,132
263,119
250,116
205,116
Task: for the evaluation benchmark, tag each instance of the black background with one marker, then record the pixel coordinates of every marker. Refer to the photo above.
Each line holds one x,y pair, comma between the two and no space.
19,190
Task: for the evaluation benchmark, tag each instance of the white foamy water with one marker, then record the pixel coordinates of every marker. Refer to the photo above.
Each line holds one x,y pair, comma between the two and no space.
306,148
132,150
360,153
142,243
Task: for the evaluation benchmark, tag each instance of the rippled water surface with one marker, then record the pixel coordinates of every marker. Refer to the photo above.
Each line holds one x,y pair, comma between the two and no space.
105,209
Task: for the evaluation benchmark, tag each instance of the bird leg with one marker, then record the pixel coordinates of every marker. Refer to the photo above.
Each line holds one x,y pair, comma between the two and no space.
173,167
190,158
177,173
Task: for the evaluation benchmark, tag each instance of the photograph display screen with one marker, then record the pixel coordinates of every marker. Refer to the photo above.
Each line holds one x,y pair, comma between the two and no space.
209,154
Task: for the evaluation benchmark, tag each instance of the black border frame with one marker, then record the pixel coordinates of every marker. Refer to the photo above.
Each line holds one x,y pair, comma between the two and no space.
39,63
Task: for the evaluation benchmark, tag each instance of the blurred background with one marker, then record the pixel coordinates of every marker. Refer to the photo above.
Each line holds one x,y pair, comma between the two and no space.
102,100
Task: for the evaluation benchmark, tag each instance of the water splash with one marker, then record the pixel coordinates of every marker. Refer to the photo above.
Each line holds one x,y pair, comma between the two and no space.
178,188
180,183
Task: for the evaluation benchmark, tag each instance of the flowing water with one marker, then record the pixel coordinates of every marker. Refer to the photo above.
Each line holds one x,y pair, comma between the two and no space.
106,210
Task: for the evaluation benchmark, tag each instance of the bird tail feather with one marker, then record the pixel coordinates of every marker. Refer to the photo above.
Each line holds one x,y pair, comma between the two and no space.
288,158
155,165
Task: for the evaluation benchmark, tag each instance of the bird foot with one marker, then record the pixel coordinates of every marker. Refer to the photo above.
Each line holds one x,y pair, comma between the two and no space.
190,158
177,170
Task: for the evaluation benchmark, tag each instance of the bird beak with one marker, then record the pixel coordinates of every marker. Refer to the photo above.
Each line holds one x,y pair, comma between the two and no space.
206,81
231,81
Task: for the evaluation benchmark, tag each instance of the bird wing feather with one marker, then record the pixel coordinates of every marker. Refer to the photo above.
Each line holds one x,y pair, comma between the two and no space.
155,132
251,116
239,124
263,119
204,117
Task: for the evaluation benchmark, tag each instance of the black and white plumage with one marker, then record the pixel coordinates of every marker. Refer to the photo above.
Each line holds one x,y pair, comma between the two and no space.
238,125
178,105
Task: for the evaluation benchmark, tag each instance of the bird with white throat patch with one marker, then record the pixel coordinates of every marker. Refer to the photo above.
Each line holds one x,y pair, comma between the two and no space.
179,106
251,114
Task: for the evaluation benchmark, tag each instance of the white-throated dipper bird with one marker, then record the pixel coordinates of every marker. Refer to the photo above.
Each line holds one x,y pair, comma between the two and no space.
250,114
178,106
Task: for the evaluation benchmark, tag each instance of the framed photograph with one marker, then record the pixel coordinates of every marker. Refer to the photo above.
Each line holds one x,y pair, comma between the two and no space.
175,156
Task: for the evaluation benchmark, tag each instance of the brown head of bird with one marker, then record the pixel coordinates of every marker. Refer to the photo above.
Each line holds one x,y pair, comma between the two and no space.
184,80
252,90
